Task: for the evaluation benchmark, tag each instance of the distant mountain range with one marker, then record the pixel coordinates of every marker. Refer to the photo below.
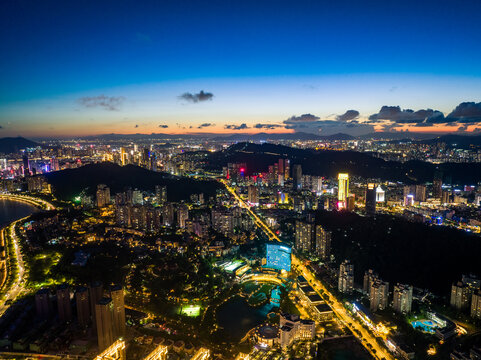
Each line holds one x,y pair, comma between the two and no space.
69,183
329,163
15,144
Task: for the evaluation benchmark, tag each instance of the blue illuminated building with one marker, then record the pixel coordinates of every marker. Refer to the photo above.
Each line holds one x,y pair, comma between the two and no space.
278,257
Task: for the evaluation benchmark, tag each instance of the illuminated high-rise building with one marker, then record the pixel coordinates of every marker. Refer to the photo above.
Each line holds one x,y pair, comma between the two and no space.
323,242
63,303
402,298
460,295
161,194
371,199
124,156
380,194
297,176
304,235
117,295
182,215
369,277
83,306
103,195
438,185
346,277
343,189
379,295
104,314
253,195
476,305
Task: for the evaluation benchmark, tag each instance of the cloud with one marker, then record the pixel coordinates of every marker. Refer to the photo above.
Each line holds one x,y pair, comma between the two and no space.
466,112
163,126
302,118
195,98
204,125
407,116
392,116
111,103
236,127
267,126
348,115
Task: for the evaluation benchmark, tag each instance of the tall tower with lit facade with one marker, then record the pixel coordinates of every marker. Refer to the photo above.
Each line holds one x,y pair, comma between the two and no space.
343,189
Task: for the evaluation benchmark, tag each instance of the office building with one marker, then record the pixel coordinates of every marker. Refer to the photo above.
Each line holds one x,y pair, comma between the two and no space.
278,257
43,304
83,306
371,199
297,176
402,298
103,195
253,195
460,295
104,314
438,185
63,303
323,243
117,295
346,277
380,194
342,190
379,295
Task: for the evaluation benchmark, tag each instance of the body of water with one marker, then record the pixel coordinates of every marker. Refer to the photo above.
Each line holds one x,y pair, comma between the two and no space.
237,317
13,210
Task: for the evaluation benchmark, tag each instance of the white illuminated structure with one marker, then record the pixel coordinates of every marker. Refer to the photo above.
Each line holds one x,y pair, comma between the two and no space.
116,351
159,353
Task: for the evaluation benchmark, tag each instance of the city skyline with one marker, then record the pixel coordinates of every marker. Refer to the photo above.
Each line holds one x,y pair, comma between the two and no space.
229,68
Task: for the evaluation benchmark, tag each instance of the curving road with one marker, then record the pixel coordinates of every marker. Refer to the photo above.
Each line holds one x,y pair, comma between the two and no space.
375,349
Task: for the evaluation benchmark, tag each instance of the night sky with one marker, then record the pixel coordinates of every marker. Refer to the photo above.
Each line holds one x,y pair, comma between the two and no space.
71,68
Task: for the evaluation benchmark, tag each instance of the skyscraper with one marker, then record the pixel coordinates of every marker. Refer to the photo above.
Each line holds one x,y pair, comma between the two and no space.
117,295
379,295
63,303
304,235
369,277
253,195
460,295
402,298
26,165
371,199
83,306
323,242
346,277
103,195
343,190
438,185
476,305
182,215
161,194
104,314
96,292
297,176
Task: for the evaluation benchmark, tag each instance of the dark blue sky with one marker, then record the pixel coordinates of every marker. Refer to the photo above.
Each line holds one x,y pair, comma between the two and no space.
57,48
